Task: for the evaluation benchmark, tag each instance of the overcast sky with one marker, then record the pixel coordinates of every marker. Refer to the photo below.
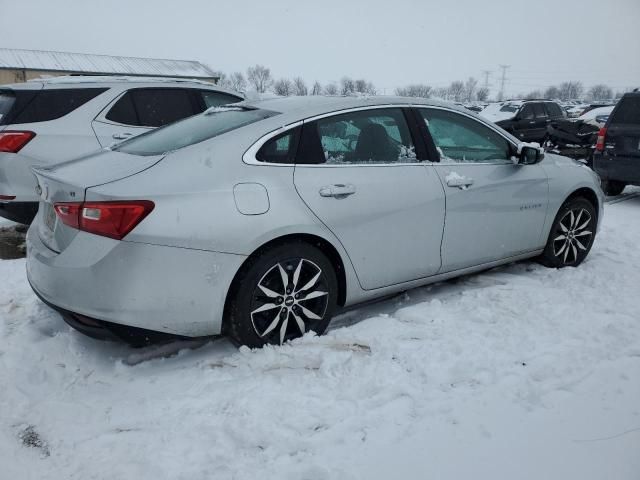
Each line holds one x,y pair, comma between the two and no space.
391,43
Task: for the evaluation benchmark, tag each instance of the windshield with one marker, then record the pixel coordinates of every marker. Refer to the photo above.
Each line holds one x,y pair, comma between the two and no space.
509,108
213,122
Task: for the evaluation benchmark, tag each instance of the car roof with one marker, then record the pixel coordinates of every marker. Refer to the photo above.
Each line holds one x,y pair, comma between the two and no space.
312,105
82,81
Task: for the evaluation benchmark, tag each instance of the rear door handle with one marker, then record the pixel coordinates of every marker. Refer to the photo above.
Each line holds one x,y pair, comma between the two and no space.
459,182
122,136
338,190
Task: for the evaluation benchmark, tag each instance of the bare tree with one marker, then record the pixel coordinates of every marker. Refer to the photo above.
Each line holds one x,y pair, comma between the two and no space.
416,90
482,94
533,95
283,87
237,82
299,87
552,93
456,91
600,92
331,89
260,78
364,87
316,89
571,90
347,86
222,79
470,88
441,92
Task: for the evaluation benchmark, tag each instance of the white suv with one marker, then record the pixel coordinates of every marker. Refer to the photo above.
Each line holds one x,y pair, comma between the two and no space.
49,121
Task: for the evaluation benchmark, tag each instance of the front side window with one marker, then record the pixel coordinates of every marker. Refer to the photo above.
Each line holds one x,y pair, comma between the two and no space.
463,139
361,137
539,111
527,112
193,130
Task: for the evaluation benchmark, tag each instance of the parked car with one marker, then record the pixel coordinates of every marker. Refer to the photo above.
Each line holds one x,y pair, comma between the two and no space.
49,121
617,155
576,137
525,119
260,219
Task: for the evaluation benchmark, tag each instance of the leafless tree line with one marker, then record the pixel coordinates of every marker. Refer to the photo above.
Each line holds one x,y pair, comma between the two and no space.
260,79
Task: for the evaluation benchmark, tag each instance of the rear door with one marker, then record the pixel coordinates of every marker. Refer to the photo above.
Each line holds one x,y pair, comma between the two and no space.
141,109
622,142
495,209
359,174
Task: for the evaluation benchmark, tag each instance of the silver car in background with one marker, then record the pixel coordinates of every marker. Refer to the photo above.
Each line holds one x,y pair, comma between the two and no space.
44,122
260,220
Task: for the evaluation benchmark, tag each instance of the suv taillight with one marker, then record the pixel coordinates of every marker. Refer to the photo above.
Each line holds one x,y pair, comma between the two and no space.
602,135
109,219
11,141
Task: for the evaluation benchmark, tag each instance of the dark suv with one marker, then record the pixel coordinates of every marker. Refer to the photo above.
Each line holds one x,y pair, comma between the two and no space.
525,119
617,155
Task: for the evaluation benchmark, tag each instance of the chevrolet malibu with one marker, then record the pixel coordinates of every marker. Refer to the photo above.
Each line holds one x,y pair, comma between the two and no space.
262,219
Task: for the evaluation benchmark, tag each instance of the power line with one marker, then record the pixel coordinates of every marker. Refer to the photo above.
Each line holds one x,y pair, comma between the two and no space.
486,74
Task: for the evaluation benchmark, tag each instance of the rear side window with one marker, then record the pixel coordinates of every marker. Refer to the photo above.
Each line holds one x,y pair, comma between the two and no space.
193,130
52,104
153,107
160,106
627,111
360,137
123,111
280,149
215,99
7,99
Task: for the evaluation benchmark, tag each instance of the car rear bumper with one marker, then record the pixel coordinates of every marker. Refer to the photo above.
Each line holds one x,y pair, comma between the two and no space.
621,169
175,291
21,212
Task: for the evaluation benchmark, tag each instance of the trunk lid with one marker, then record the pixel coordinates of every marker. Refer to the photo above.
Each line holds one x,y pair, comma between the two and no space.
69,181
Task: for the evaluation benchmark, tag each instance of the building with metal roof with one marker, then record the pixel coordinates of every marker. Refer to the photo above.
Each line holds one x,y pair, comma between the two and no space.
18,65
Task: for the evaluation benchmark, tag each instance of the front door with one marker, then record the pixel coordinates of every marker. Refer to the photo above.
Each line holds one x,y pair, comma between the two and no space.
495,209
359,174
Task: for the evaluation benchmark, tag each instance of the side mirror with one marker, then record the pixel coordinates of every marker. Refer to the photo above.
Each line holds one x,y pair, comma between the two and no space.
529,153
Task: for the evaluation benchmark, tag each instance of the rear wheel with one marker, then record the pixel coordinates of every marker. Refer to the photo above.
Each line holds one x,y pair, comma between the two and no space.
281,294
572,234
611,188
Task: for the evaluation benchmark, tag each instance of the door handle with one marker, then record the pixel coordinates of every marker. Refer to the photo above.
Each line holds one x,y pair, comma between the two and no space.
338,190
122,136
459,182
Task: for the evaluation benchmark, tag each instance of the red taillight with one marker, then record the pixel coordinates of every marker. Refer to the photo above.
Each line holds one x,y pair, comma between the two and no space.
7,197
602,135
109,219
12,141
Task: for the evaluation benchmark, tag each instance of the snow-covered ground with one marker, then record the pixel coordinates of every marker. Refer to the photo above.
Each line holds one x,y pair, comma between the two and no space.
519,373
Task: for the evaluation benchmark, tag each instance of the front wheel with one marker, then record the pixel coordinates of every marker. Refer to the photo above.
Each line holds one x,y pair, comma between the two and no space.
281,294
572,234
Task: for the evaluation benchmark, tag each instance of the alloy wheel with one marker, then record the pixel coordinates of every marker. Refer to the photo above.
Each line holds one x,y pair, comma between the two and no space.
574,234
290,299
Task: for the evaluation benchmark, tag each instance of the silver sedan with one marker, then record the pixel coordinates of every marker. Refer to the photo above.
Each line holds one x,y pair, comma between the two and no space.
261,219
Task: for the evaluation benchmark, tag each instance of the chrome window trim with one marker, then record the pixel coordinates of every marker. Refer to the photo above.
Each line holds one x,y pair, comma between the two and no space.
249,157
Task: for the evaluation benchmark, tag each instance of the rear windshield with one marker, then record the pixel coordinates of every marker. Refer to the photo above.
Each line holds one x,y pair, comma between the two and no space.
213,122
7,100
509,108
627,111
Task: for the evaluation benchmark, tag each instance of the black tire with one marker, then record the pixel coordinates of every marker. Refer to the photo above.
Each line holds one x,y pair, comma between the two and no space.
571,235
261,278
612,188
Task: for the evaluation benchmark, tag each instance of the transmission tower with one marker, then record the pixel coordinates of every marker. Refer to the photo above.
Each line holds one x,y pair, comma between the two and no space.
503,79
